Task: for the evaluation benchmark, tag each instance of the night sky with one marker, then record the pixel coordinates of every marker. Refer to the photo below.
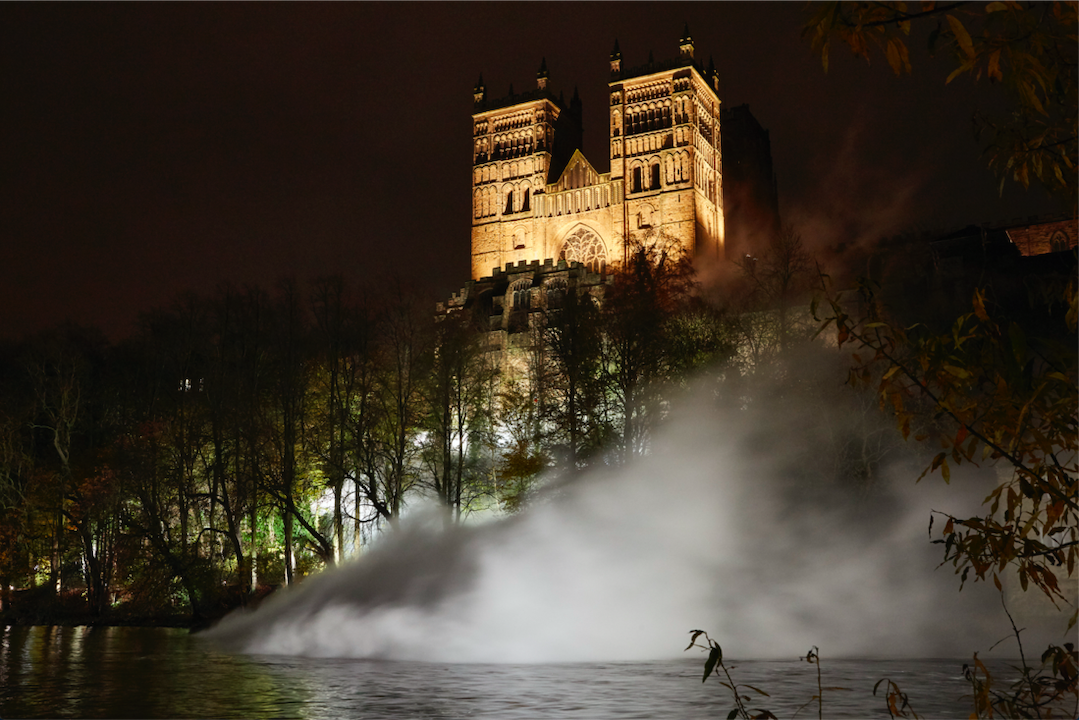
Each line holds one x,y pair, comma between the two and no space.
150,149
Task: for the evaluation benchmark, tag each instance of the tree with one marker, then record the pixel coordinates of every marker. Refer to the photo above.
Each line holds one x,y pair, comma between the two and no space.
404,359
1030,48
772,285
330,427
638,307
290,478
523,457
459,401
234,372
63,367
572,338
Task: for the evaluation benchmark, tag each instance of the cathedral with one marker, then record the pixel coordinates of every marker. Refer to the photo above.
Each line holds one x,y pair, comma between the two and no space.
537,197
545,220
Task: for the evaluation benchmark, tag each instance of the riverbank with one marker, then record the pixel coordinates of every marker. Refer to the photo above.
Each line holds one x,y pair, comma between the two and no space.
40,606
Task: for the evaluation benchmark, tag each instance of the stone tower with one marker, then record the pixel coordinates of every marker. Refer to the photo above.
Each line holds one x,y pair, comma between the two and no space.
537,198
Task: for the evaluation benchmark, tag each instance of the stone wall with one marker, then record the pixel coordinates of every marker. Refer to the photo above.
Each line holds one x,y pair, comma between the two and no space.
1044,237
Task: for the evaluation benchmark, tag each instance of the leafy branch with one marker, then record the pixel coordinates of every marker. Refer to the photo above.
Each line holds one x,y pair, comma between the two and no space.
991,389
715,659
1029,48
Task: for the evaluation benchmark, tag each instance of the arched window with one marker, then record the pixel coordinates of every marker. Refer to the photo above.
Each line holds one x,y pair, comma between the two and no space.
556,293
520,294
654,182
524,201
509,203
1058,242
636,179
585,247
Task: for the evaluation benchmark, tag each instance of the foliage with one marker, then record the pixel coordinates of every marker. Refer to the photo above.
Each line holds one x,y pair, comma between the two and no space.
996,395
1035,694
249,437
898,703
769,299
639,307
1030,48
458,398
986,390
715,659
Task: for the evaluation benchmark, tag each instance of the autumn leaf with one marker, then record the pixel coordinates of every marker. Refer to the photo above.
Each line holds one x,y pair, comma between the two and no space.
993,70
961,36
714,657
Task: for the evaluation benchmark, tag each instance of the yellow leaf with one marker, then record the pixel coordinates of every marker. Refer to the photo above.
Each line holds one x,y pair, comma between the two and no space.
1031,94
995,7
904,55
979,305
994,67
961,36
956,372
959,70
893,57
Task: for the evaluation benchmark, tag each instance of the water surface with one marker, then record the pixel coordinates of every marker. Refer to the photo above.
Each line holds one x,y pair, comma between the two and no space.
159,672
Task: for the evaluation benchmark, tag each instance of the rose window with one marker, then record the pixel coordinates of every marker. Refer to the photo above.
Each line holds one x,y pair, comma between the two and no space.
585,247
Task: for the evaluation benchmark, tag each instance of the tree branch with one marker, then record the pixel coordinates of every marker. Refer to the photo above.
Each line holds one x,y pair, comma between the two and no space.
906,17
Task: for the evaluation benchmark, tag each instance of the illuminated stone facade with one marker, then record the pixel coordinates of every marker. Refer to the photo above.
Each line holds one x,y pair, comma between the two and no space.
537,198
1040,238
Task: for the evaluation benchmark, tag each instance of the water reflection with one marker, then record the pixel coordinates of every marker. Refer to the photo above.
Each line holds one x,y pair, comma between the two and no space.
153,672
135,672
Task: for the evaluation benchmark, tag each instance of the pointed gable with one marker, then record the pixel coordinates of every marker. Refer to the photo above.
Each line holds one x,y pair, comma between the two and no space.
578,173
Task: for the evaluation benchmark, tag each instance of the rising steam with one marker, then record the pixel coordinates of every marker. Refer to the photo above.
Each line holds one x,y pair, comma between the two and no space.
721,527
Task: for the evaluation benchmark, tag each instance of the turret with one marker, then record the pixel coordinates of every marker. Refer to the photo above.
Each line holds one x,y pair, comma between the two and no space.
616,61
685,45
541,76
713,75
479,93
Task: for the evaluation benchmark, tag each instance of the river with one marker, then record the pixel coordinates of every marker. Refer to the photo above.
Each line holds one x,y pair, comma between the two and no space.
82,672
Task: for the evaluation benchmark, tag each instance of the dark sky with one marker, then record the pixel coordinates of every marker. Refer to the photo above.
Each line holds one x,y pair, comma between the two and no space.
149,149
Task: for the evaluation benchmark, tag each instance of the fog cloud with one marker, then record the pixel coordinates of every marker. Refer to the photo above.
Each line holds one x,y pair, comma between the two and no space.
730,525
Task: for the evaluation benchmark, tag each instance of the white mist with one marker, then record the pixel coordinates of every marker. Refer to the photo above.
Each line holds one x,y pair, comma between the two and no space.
709,532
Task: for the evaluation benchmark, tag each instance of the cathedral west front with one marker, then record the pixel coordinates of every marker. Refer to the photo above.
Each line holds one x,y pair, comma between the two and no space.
536,197
546,222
